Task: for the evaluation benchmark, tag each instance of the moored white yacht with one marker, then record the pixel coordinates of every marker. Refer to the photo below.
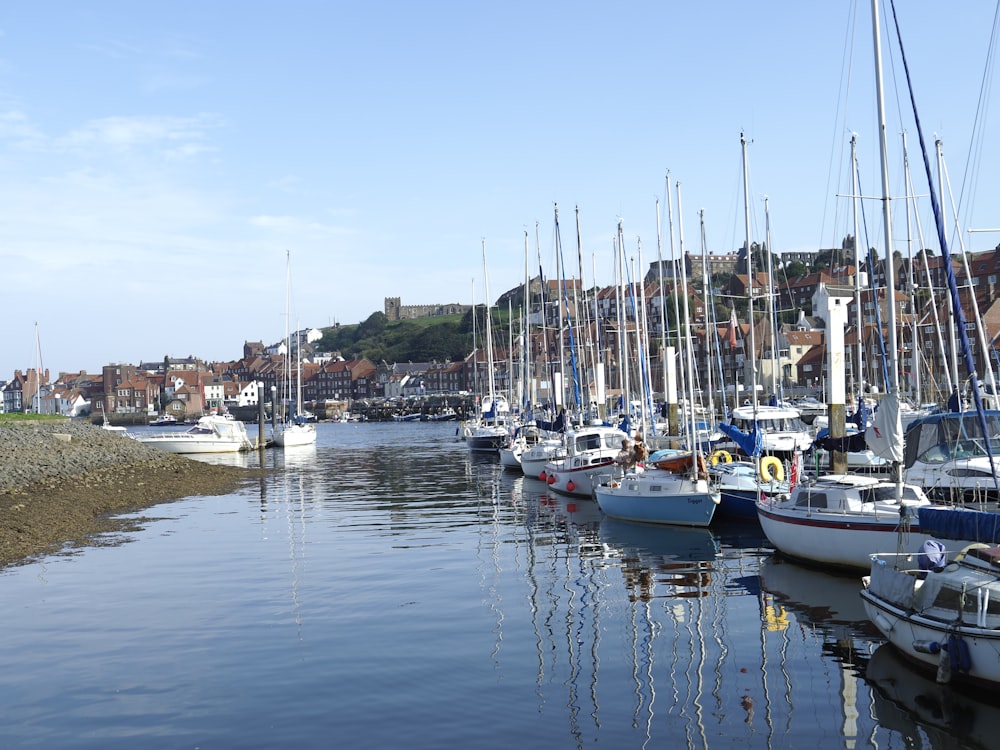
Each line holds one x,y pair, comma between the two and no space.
841,519
211,434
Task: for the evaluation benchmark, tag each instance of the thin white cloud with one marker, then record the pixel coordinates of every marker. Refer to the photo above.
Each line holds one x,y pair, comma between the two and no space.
124,133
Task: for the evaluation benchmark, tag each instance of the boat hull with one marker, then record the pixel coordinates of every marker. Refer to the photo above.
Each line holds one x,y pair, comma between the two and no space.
673,500
574,476
294,435
835,538
487,441
183,445
911,634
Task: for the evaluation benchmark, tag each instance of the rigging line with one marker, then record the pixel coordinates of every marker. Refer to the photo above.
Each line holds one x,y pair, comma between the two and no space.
889,293
973,162
946,253
842,126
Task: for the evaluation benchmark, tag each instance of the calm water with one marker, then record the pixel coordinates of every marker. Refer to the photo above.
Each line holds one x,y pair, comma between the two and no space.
386,589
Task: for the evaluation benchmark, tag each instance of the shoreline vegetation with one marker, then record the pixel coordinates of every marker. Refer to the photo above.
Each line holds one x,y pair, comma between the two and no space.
62,484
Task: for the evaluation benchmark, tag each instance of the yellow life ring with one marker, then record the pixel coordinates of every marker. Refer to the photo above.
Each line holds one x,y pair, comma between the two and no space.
720,455
769,474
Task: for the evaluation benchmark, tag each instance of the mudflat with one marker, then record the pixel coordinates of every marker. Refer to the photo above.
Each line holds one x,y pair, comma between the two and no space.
62,483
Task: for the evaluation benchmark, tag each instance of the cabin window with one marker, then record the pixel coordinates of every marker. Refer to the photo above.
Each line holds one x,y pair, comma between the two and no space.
811,500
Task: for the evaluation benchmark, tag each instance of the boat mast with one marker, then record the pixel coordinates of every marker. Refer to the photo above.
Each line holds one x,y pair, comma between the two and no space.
710,333
746,221
690,426
890,283
663,296
488,334
776,391
890,273
859,373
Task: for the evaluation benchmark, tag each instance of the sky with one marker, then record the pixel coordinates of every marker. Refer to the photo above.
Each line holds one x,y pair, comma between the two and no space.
159,160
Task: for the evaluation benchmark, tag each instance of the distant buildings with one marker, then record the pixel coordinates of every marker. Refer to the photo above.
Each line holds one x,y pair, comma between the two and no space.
606,326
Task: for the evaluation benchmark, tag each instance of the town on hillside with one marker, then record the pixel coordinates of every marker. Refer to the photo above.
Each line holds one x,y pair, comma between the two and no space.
788,340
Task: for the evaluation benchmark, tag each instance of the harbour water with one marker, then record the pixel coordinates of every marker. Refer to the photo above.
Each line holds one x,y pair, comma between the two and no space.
385,588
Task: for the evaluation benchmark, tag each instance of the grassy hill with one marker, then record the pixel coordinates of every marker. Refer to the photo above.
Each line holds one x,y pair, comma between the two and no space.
447,338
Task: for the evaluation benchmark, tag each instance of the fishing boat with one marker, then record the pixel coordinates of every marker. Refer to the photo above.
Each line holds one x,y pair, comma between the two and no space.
939,611
211,434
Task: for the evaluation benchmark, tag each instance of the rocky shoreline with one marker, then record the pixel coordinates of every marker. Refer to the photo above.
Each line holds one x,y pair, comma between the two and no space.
61,483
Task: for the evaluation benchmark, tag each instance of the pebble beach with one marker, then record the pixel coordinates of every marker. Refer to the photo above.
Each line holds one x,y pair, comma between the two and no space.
61,483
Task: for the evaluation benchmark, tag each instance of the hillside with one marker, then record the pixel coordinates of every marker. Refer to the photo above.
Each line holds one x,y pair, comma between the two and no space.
447,338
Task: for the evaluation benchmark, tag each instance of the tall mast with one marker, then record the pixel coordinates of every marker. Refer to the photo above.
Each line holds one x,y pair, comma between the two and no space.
488,333
859,373
771,315
688,352
890,272
746,221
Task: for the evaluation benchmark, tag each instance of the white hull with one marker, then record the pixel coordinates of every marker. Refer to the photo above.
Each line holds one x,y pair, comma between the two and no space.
834,538
904,630
180,444
535,458
947,618
211,435
296,434
510,457
841,520
573,476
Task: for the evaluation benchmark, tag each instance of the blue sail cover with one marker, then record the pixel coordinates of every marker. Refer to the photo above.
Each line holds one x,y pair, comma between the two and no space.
960,523
750,443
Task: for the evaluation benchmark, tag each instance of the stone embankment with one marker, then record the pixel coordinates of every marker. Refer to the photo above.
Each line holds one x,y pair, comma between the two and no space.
61,482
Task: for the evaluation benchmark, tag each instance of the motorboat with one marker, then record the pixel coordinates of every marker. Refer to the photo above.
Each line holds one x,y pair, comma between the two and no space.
841,519
659,496
946,454
210,434
164,420
940,610
781,430
535,457
590,460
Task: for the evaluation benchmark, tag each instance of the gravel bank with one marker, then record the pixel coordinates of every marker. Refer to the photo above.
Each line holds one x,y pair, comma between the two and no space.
60,482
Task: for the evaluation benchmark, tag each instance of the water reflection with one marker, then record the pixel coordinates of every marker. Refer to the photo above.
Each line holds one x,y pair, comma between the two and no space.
925,713
386,580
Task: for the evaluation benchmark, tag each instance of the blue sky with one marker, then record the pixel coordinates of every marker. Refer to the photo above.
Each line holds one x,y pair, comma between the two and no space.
157,160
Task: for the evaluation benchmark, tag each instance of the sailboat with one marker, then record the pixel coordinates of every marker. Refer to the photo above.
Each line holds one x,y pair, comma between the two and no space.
491,430
841,519
294,430
658,495
942,610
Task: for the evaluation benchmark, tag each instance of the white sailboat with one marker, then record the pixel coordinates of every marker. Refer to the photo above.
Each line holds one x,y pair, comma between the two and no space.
491,430
294,430
658,495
